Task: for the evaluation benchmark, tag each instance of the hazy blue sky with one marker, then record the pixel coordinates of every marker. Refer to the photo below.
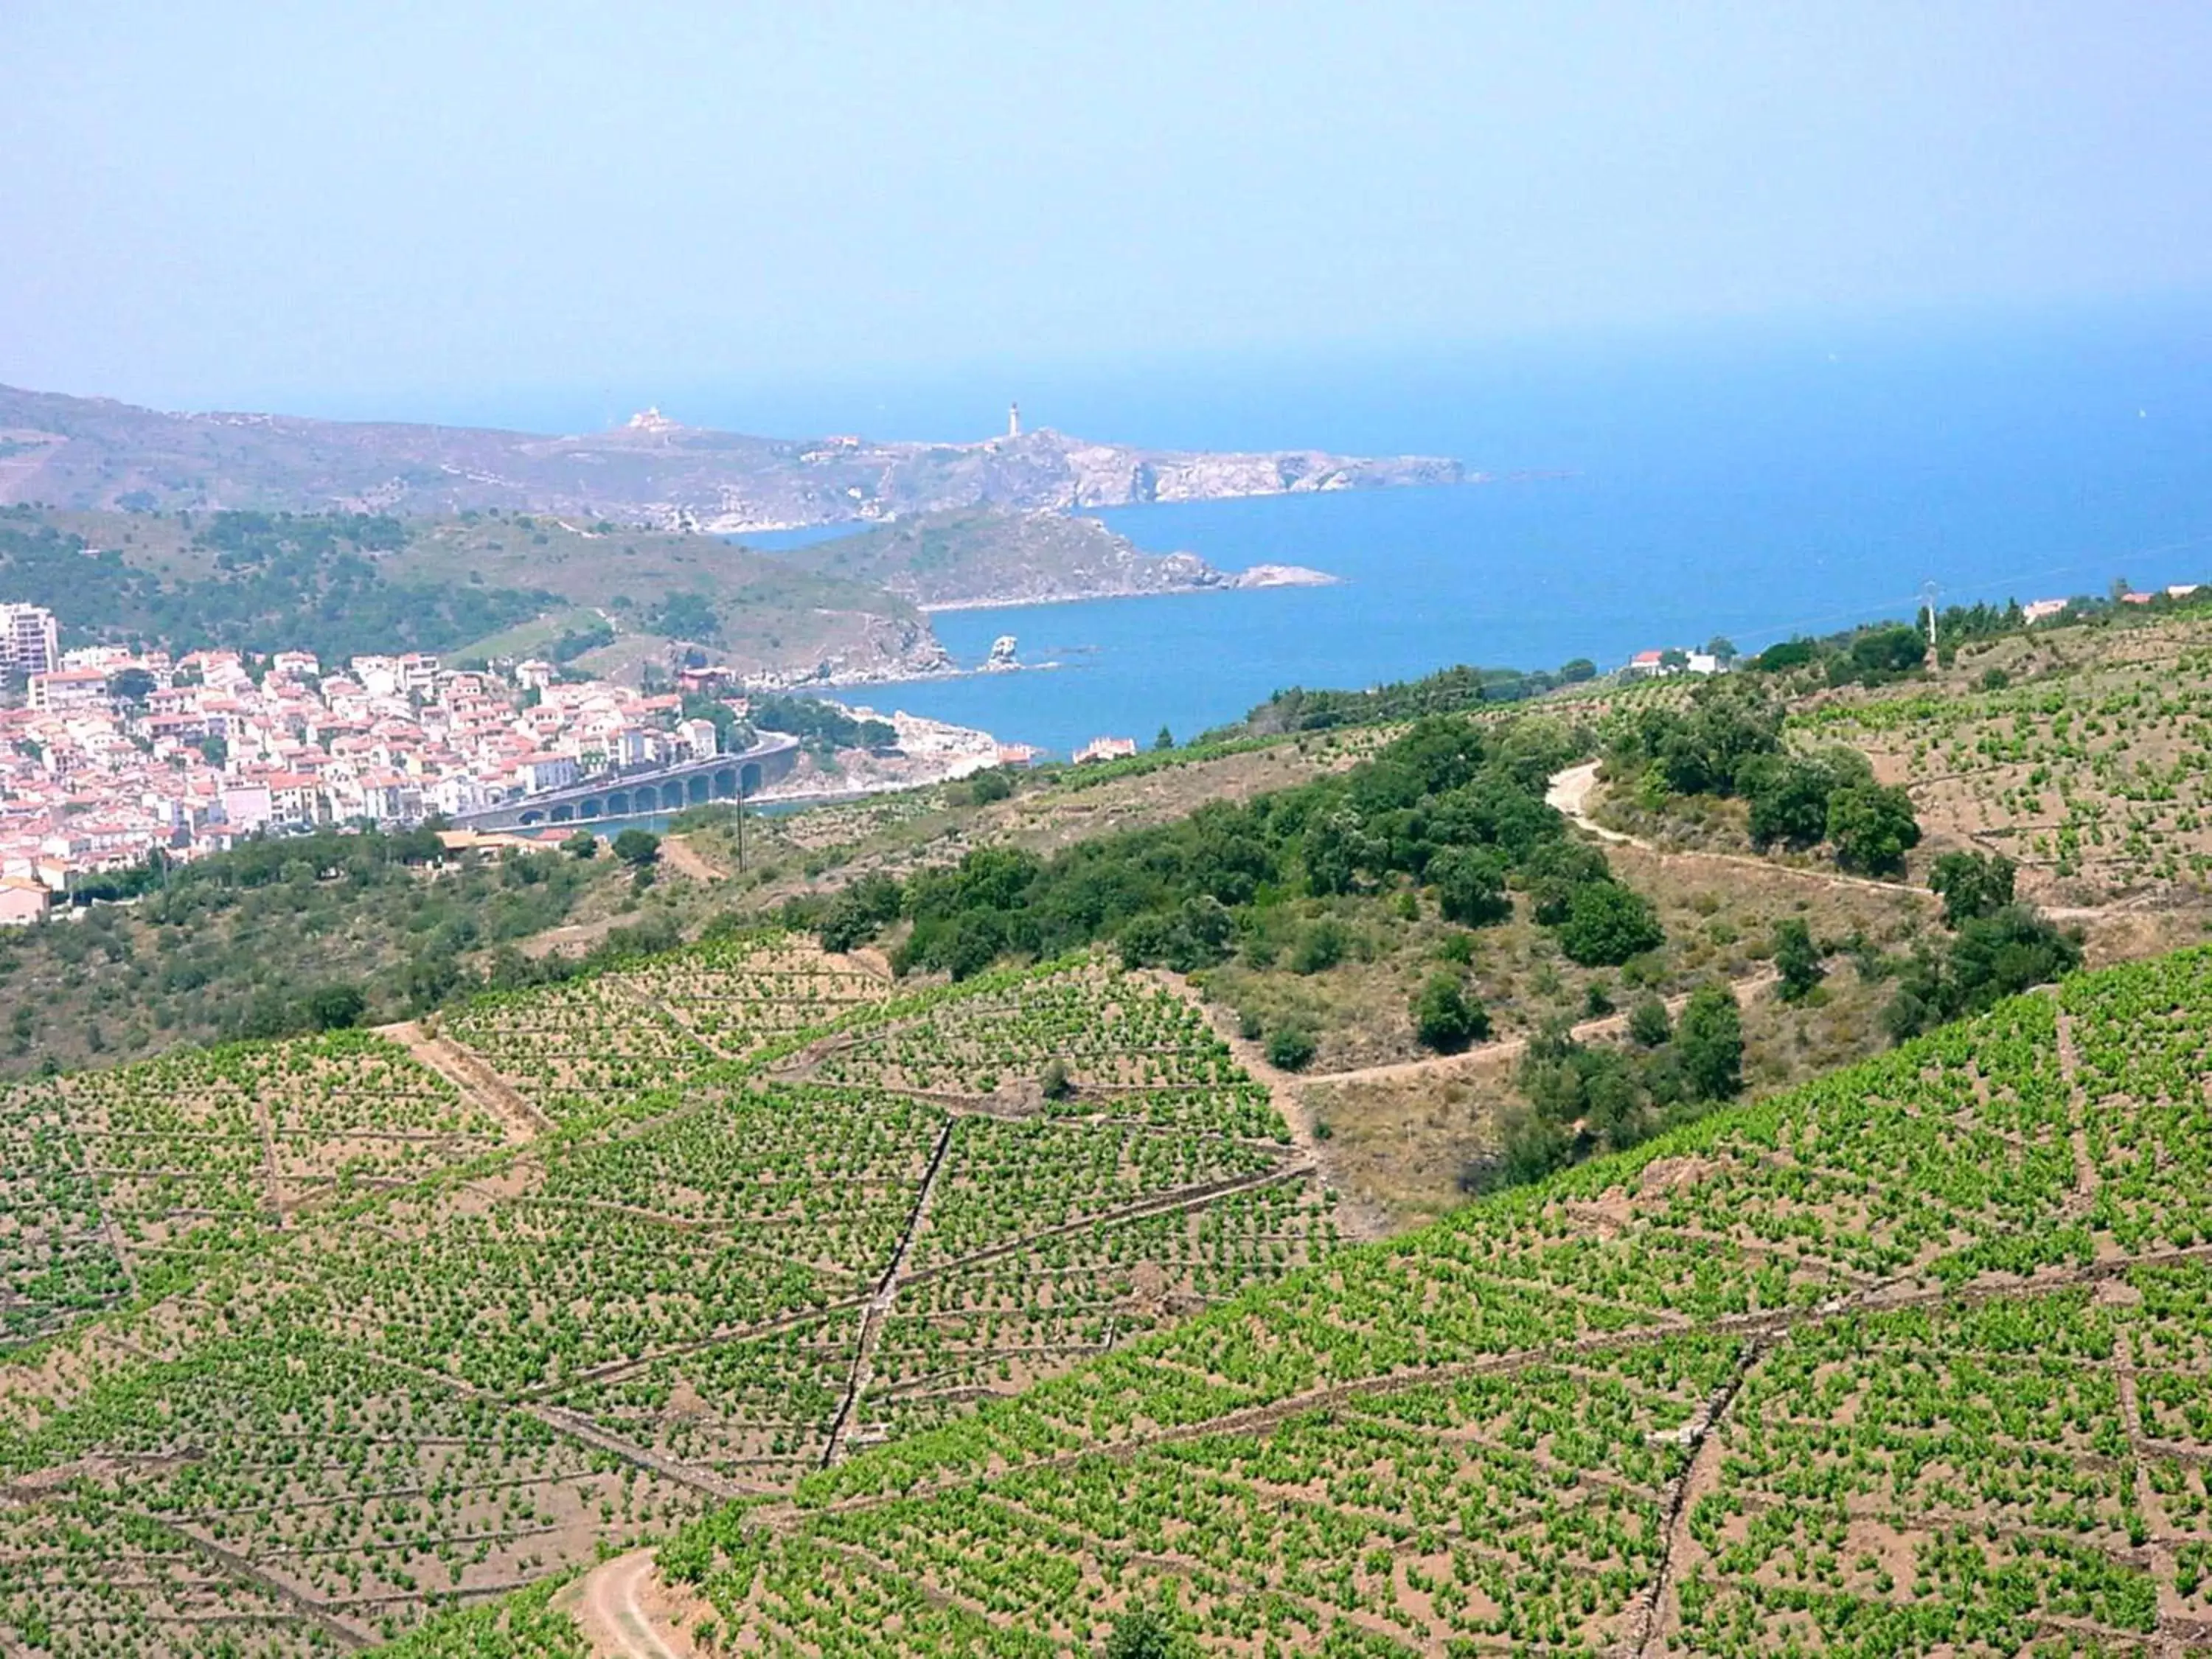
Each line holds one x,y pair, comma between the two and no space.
402,208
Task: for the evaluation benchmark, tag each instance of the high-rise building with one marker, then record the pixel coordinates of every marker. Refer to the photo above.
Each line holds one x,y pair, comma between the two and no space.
30,643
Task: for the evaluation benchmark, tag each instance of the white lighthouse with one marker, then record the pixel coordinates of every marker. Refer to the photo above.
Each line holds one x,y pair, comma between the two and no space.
1013,420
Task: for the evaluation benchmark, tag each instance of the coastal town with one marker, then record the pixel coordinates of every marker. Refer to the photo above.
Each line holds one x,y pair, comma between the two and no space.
114,755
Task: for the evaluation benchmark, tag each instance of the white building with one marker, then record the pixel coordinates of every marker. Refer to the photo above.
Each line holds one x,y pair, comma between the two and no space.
1100,749
30,641
542,772
64,689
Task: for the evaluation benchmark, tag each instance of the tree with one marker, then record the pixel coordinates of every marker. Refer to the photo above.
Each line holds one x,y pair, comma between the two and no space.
1789,801
686,617
1576,670
1722,649
1056,1083
1165,740
581,845
1709,1042
335,1008
1972,884
1796,958
214,750
1607,924
131,685
1650,1026
638,847
1673,660
1445,1017
1470,885
859,912
1872,827
991,785
1883,653
1992,957
1336,847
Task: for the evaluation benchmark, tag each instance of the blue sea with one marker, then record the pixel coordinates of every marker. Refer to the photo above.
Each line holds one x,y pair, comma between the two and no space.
1755,482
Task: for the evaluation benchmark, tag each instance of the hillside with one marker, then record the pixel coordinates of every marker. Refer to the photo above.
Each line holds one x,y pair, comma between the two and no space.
918,1275
572,1266
94,452
947,560
342,584
1909,1360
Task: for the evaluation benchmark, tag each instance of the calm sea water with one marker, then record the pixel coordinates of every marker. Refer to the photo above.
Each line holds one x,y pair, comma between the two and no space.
1754,484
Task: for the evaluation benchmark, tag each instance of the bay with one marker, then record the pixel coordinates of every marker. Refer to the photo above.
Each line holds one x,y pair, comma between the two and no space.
1755,483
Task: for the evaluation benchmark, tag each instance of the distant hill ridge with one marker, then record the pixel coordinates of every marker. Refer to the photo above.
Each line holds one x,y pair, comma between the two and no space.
80,452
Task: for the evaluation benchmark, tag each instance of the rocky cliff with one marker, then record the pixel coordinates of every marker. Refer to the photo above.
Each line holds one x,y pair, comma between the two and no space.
87,452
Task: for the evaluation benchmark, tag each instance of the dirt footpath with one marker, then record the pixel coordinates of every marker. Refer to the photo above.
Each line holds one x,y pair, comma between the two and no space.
623,1612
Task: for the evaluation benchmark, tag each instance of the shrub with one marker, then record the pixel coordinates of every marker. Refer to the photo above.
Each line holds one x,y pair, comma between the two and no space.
1291,1047
1470,885
337,1007
1319,947
1708,1043
1445,1017
1872,827
1607,924
1972,884
1649,1025
1143,1635
1796,958
637,847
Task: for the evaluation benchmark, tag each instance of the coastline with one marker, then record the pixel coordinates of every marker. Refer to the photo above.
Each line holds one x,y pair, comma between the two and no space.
1272,576
899,676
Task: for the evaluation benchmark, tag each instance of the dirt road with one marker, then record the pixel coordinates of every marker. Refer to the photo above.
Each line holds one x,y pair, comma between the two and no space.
1569,791
607,1607
685,859
1486,1054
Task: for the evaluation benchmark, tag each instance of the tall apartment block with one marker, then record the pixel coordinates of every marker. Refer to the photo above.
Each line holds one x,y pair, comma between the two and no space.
30,643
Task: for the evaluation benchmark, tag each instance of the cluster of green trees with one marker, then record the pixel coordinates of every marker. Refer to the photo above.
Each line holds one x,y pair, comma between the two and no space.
821,726
1449,806
1451,690
1881,653
1875,655
281,580
688,616
1727,741
215,950
1584,1099
1999,946
572,642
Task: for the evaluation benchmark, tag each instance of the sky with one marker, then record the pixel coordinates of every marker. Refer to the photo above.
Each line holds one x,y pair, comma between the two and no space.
467,210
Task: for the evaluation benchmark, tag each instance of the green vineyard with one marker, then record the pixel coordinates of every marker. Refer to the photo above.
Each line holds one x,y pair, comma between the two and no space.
1916,1360
317,1339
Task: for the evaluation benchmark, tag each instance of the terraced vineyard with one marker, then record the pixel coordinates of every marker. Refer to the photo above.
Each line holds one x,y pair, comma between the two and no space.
338,1332
121,1178
2098,775
1915,1359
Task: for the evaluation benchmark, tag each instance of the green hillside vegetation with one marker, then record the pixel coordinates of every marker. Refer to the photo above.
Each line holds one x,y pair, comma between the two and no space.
477,585
1448,806
1909,1360
571,1267
1449,691
972,555
264,582
240,943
